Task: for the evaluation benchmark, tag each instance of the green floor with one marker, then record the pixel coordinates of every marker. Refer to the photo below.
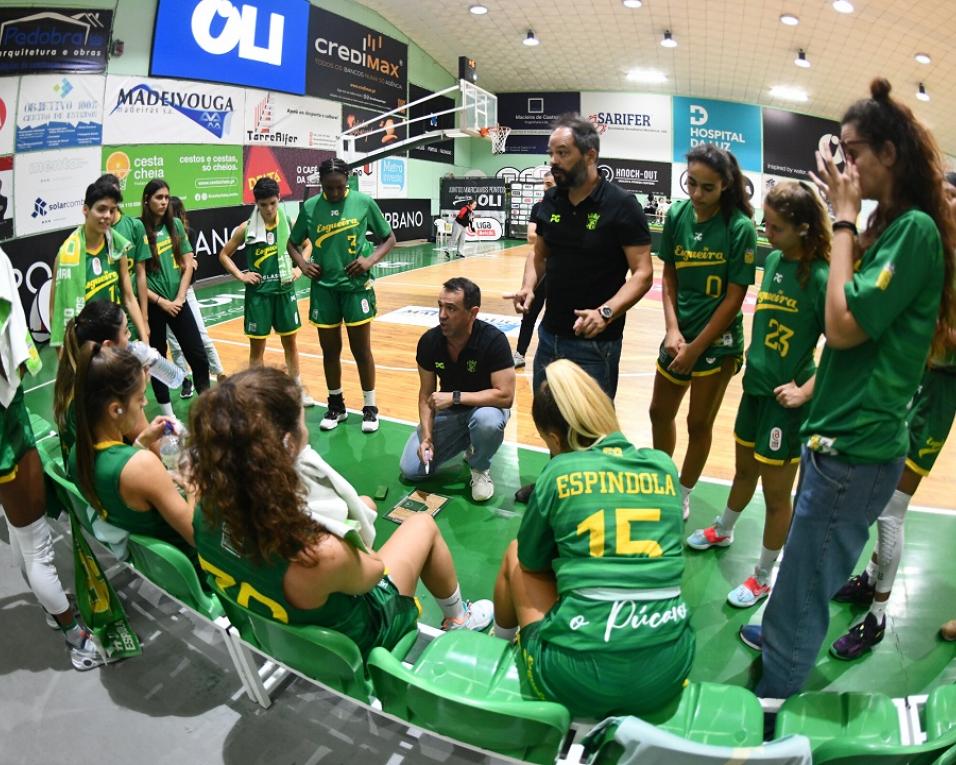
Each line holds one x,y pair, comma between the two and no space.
911,659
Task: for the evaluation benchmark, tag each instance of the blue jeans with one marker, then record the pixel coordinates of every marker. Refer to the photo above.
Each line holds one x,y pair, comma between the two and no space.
599,358
836,504
454,430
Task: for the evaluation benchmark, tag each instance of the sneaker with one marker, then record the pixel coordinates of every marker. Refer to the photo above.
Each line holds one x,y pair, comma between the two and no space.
307,399
85,656
860,639
858,590
334,414
518,360
686,509
482,487
524,493
186,390
748,594
704,539
751,635
459,254
948,631
477,616
369,419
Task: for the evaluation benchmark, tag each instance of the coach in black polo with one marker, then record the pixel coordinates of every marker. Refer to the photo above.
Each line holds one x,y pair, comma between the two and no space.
590,234
472,361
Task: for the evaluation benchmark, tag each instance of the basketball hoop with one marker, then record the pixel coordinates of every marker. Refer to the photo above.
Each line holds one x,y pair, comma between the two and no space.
499,137
601,126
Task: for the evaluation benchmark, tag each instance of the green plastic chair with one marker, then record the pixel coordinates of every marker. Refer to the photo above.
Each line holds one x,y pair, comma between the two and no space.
941,711
62,493
170,569
466,685
947,758
314,652
714,714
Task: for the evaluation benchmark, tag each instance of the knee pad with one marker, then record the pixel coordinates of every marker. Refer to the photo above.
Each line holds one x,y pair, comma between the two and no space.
36,549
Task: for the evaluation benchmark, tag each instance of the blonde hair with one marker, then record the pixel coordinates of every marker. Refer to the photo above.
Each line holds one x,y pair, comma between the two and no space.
570,403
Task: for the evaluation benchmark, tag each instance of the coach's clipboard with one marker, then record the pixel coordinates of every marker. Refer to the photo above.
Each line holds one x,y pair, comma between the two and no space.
416,502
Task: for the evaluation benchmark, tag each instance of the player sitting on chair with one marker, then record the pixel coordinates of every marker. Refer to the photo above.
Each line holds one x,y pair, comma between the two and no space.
472,359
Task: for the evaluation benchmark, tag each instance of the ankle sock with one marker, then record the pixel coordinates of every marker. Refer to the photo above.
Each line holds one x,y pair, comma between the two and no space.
505,633
452,606
368,398
728,519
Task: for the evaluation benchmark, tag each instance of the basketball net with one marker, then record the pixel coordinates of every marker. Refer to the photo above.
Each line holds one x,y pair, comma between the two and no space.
601,126
499,137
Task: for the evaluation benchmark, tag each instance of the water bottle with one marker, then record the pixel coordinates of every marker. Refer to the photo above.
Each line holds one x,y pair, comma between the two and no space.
158,366
170,448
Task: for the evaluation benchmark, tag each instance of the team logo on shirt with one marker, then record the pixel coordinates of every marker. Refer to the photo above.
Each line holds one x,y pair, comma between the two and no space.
778,278
885,277
439,365
699,236
555,218
471,365
97,266
776,439
593,219
749,257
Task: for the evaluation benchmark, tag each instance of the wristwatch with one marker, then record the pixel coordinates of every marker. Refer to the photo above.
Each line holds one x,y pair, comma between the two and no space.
456,397
606,312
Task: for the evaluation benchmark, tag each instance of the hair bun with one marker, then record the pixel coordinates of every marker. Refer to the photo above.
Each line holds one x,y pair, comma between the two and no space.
880,89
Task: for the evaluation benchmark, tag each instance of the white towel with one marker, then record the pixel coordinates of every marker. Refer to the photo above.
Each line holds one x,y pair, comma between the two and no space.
333,502
16,345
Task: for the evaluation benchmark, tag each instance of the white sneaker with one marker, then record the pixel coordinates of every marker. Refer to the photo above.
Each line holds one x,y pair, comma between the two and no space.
749,593
334,415
307,399
712,536
518,360
686,512
85,656
369,419
482,487
478,616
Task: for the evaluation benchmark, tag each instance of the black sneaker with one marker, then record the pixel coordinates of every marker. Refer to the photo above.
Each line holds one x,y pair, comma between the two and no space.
334,414
186,391
524,493
860,639
858,589
369,419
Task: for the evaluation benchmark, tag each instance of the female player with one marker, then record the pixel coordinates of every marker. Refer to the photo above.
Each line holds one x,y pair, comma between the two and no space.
127,485
341,272
168,276
593,579
255,534
778,380
708,248
883,311
929,419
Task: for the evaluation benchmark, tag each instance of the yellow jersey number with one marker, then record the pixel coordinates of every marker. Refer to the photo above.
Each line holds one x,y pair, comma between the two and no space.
778,339
624,517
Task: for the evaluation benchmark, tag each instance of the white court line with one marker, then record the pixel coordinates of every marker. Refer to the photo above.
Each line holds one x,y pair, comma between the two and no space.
41,385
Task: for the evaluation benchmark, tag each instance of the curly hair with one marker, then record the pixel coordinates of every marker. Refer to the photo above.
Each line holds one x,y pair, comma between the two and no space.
797,204
242,467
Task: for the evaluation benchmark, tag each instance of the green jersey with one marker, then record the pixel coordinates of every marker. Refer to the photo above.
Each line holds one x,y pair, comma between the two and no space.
708,256
379,617
102,275
111,457
788,321
337,232
858,410
132,230
164,279
607,521
263,259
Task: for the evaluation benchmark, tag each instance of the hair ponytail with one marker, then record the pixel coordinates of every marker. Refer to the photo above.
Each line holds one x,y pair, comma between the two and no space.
724,163
572,405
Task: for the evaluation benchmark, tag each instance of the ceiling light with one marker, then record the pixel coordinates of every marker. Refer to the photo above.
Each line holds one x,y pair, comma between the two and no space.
921,94
530,40
647,76
801,60
923,58
788,93
633,3
789,19
843,6
479,10
669,41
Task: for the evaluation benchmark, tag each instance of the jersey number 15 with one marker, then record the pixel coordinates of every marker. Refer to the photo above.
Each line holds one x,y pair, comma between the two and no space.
595,524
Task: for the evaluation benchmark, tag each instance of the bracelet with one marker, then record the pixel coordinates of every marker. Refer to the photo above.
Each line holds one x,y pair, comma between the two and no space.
847,224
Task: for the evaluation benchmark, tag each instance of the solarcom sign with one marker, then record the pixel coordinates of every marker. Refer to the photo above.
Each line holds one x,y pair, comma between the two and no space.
259,43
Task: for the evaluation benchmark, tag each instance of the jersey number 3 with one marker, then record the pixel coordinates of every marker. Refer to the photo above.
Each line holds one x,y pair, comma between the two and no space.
778,339
594,525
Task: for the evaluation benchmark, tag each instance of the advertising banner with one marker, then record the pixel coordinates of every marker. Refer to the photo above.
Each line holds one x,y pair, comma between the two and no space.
261,43
730,126
533,111
202,176
139,109
213,229
637,176
277,119
287,167
409,218
790,140
352,116
393,177
58,111
489,193
32,260
37,40
8,112
753,182
50,188
354,64
6,192
638,124
440,151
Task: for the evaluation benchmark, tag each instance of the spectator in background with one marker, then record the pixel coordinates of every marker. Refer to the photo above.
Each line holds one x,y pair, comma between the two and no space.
462,223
